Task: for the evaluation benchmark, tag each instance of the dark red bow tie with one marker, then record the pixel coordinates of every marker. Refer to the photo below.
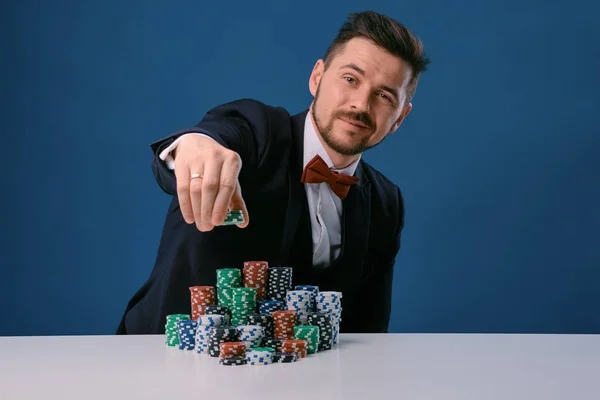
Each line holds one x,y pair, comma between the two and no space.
317,171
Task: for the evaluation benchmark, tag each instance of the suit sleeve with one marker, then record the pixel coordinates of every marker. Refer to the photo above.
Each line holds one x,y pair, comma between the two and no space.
377,309
242,126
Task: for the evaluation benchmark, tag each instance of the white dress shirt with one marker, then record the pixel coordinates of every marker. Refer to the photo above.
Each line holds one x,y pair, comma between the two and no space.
324,206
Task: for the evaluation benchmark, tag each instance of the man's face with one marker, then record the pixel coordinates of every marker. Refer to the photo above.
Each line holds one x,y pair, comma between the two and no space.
360,98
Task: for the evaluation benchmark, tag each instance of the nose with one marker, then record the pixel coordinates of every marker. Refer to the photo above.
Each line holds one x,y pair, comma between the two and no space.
361,102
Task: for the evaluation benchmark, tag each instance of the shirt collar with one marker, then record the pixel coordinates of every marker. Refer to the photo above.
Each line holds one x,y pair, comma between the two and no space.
313,146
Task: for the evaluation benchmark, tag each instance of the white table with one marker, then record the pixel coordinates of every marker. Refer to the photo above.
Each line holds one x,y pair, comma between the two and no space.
367,367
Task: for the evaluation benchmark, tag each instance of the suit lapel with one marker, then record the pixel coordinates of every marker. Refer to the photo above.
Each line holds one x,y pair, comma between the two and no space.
356,219
297,207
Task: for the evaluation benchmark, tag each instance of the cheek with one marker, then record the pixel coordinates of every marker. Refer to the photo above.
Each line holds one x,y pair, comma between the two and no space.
334,94
384,126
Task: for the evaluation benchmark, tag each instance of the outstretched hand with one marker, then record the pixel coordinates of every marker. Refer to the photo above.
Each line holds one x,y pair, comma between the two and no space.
207,182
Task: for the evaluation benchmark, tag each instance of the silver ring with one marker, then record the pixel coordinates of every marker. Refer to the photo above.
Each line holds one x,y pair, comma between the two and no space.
194,176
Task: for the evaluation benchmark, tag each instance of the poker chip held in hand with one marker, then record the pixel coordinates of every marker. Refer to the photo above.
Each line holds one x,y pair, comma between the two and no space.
253,316
233,217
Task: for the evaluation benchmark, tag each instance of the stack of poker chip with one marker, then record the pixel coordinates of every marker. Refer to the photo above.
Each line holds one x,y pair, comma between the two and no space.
273,343
266,321
309,333
260,356
220,334
314,290
299,301
243,304
205,324
231,361
227,280
201,296
268,307
253,316
297,346
279,281
186,329
279,357
255,276
219,310
323,321
251,335
331,303
284,322
171,328
232,349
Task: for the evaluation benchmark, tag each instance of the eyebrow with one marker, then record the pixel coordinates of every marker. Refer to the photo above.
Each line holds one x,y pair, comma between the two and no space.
361,71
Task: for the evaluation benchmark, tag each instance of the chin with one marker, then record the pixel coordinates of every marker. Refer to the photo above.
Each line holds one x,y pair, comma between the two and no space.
345,144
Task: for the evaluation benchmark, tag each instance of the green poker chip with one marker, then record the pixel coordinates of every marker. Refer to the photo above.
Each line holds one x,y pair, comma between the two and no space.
172,335
233,217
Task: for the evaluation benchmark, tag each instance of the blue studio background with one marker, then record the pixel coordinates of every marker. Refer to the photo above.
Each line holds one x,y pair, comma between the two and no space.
499,161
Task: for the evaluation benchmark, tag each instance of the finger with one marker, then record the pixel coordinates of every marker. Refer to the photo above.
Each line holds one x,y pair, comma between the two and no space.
238,203
210,187
229,177
196,197
182,179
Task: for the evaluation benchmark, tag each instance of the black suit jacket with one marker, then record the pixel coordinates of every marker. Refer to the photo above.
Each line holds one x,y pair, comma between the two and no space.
270,143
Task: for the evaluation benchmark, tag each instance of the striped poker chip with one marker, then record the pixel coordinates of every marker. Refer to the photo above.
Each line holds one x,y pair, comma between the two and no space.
279,281
255,276
203,330
229,277
202,338
268,307
243,304
186,330
330,303
323,321
232,361
200,297
232,349
218,335
219,310
171,328
251,335
272,343
225,296
310,334
266,321
314,290
211,320
296,346
279,357
233,217
299,301
260,356
284,322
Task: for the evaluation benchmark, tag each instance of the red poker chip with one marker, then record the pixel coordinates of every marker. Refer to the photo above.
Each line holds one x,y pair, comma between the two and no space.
232,349
200,297
255,276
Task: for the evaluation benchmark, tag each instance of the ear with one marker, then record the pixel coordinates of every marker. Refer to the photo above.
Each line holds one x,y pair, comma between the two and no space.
403,115
315,77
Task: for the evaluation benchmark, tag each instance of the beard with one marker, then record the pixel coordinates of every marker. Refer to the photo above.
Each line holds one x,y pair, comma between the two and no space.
326,130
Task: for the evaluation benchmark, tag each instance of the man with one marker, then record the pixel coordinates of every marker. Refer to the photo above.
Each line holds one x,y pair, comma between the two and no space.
342,234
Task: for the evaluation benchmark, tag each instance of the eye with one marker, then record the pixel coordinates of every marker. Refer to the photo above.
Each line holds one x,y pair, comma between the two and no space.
349,79
386,97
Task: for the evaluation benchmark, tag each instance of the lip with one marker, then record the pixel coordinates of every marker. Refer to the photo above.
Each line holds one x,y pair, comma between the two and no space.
354,124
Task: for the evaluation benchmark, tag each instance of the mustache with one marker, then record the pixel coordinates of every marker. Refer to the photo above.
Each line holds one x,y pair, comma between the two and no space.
363,118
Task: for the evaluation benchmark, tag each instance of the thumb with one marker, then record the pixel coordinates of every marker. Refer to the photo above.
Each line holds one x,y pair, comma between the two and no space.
238,203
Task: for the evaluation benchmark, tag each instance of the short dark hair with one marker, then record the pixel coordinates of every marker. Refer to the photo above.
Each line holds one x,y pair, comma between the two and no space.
386,33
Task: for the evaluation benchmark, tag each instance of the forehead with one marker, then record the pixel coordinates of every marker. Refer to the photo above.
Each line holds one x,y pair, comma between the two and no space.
377,63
